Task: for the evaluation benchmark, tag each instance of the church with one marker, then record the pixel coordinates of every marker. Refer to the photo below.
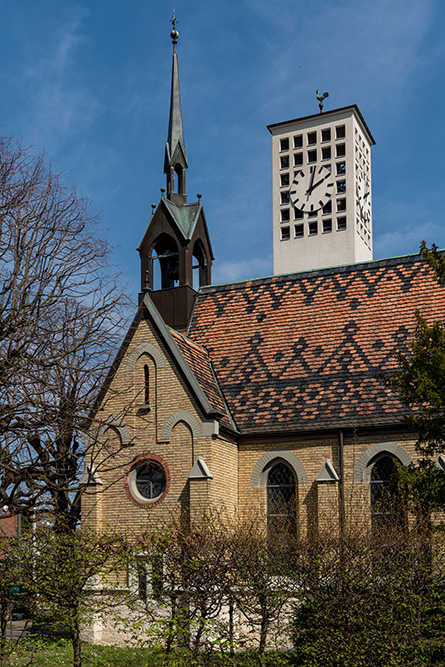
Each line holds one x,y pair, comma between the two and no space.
264,393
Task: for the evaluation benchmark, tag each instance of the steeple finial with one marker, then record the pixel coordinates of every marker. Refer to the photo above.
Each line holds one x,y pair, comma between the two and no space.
175,162
174,33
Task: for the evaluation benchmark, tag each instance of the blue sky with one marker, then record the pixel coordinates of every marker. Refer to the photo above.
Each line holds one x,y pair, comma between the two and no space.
89,82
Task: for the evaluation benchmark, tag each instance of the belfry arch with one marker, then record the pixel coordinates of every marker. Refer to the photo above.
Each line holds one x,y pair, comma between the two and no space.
164,261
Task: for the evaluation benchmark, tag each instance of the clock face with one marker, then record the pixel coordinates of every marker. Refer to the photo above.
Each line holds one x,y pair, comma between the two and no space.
312,188
364,195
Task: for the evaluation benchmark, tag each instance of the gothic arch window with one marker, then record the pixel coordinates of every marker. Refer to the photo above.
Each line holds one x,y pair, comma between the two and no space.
179,171
146,384
385,506
281,498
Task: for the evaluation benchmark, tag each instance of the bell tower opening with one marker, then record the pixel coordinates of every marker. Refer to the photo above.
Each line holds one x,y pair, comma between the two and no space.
201,274
165,263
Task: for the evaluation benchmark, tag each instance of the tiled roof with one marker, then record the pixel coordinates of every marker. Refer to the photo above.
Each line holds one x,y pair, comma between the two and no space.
198,360
304,351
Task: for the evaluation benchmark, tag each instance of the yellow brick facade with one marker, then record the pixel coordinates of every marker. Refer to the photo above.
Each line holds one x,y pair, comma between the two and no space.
161,417
150,409
170,426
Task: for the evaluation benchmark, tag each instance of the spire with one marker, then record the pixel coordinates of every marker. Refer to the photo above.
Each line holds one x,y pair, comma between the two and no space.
175,162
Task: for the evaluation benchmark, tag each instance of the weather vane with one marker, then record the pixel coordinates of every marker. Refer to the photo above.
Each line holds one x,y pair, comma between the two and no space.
174,33
320,98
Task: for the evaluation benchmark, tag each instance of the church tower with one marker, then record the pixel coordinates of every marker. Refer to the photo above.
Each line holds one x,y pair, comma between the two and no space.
321,189
176,253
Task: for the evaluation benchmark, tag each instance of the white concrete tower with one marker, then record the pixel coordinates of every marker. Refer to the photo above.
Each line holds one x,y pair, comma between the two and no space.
321,184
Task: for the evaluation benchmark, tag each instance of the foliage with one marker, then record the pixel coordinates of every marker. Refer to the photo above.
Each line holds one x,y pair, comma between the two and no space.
208,583
356,598
9,590
435,260
60,570
419,382
423,488
48,654
371,600
263,582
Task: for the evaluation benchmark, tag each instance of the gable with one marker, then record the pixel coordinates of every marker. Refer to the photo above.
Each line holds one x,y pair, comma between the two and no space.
306,351
150,337
186,223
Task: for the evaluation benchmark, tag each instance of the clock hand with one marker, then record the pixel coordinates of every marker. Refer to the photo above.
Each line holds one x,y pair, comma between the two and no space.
308,191
312,187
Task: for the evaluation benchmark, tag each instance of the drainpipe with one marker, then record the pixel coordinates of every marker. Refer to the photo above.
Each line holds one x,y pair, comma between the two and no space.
342,480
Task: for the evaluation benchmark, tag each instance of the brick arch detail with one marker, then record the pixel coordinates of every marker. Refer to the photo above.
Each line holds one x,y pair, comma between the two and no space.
362,471
262,467
114,423
145,348
181,416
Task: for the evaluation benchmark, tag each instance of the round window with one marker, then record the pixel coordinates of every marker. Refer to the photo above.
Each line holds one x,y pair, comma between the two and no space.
151,480
147,480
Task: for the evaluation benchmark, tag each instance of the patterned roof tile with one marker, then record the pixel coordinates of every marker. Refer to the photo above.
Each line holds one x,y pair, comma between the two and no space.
198,360
306,350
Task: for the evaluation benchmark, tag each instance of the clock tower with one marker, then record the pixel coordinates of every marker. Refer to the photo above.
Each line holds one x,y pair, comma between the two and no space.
321,173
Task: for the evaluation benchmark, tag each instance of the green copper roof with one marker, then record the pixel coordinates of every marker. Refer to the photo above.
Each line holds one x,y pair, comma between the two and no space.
175,147
185,216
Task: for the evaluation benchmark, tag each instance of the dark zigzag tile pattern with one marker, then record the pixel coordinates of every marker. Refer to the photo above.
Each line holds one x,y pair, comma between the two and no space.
303,351
198,360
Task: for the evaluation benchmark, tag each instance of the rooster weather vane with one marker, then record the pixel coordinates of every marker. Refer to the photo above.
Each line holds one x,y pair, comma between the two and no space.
320,98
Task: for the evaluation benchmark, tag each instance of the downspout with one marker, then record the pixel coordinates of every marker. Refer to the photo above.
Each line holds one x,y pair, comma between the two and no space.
342,480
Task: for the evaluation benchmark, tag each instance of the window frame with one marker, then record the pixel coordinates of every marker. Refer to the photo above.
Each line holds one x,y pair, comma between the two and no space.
290,516
130,480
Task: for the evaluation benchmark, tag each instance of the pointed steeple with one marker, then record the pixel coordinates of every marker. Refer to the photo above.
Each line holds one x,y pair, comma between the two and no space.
175,162
176,252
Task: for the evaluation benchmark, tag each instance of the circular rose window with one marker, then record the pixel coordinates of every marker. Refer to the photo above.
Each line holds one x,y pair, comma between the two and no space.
151,480
147,480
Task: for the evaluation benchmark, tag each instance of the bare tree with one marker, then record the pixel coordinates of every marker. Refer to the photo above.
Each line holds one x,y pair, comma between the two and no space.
60,320
184,580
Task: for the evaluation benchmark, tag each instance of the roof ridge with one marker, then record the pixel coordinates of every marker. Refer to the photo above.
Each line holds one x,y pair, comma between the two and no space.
340,268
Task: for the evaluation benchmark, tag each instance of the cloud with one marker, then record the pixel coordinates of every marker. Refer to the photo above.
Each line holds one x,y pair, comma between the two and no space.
226,271
407,240
360,51
61,103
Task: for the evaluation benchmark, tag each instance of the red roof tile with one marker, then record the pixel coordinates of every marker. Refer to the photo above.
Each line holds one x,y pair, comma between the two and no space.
305,351
198,360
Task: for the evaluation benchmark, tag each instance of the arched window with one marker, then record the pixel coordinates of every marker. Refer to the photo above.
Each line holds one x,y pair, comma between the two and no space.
385,508
179,179
281,499
146,384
